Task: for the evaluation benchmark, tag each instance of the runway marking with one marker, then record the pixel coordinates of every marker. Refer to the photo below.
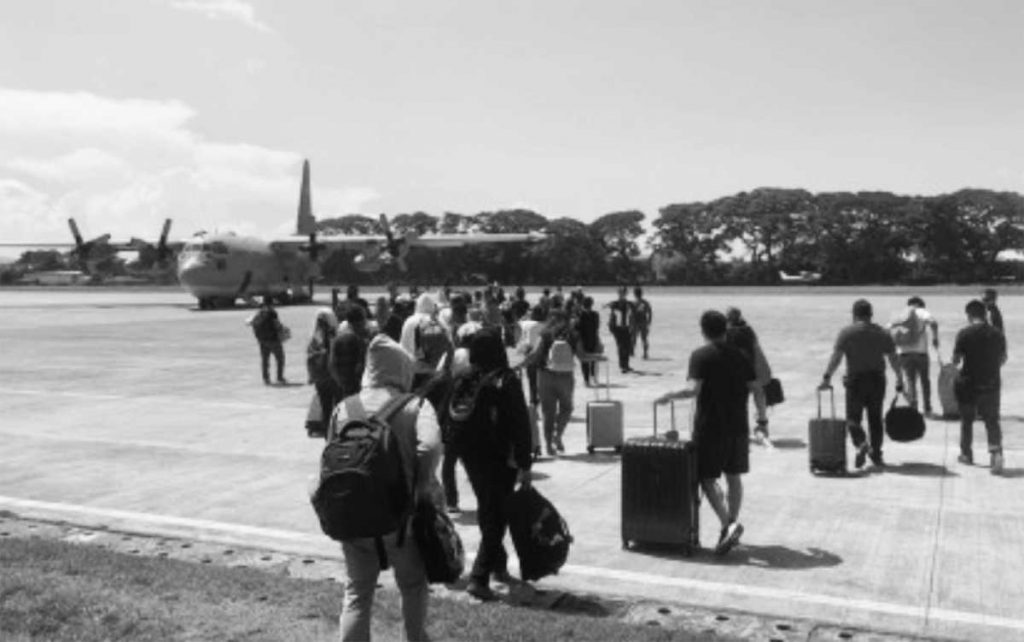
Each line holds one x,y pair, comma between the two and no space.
211,527
109,397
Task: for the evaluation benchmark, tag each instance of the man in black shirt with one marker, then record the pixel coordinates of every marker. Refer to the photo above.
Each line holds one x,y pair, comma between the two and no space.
721,378
982,350
269,333
620,323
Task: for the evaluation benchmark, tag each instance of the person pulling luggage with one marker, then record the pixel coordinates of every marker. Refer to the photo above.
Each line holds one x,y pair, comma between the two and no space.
866,346
720,378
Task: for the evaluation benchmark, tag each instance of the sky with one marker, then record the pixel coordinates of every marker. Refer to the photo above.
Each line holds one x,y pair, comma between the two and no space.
121,113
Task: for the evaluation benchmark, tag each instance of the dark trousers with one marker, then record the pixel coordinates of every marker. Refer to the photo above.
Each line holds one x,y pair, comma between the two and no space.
915,366
493,482
531,378
623,342
329,394
986,405
451,488
589,370
268,348
866,392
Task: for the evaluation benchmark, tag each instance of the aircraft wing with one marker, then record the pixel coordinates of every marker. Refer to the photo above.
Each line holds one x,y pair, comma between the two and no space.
29,246
341,241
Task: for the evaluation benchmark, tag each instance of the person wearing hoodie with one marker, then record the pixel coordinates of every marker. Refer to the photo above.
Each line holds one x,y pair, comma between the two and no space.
389,372
348,351
496,451
318,353
424,337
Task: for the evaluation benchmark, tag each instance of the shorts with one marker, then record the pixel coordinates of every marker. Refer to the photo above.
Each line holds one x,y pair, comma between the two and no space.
717,454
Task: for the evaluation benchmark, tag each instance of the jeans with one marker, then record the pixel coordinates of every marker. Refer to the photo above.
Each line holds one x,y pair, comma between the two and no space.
493,482
866,391
589,370
556,389
362,567
640,332
268,348
985,404
623,342
914,366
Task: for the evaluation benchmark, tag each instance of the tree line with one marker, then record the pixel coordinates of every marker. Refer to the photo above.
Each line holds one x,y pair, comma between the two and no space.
746,238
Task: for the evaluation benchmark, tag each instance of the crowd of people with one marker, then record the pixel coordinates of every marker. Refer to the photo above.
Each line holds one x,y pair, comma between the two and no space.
442,343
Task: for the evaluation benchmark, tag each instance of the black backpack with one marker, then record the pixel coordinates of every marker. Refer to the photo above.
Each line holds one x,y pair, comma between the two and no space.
471,411
444,557
363,489
540,535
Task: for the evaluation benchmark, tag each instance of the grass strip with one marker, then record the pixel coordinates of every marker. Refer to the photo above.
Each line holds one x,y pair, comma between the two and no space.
56,591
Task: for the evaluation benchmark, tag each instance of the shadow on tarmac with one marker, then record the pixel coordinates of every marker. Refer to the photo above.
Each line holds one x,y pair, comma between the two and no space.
599,457
920,469
771,556
1012,473
789,443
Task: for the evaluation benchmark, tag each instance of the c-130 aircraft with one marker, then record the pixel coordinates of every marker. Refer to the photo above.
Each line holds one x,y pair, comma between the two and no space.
219,268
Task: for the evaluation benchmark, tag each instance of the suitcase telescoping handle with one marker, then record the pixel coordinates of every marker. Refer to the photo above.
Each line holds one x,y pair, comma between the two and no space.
597,360
832,401
672,416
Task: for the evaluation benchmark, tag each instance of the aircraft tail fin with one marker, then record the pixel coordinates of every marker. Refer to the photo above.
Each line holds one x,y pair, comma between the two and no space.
306,223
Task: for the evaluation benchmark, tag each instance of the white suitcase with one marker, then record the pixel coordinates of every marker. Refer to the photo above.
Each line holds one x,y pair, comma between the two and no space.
605,416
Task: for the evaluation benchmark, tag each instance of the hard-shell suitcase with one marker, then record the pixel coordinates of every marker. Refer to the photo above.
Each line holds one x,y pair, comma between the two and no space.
660,499
826,439
947,397
605,417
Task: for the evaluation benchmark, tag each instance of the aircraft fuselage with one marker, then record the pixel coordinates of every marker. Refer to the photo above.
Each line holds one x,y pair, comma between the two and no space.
219,268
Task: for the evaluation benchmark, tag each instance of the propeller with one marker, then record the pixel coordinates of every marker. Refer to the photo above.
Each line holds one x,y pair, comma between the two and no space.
314,247
163,252
244,285
84,248
397,249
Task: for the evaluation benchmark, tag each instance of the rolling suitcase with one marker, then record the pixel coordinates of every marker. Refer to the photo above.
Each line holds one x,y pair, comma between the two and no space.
826,438
660,499
604,417
947,395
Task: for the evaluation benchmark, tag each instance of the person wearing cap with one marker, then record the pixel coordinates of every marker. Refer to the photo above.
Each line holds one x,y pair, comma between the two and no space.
389,372
913,355
866,347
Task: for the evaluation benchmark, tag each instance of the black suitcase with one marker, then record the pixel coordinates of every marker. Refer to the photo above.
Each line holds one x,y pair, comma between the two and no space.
660,499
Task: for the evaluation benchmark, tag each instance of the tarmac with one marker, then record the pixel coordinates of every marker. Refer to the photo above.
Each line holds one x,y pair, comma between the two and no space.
131,411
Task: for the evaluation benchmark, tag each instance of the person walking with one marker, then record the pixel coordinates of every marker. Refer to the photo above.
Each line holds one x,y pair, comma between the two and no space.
556,381
910,334
318,357
994,316
494,446
740,335
620,323
981,349
589,327
348,352
270,335
866,346
643,317
720,379
389,371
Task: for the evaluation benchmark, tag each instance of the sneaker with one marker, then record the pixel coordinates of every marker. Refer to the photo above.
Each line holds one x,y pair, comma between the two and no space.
551,449
997,463
503,576
862,456
282,381
965,459
480,590
453,509
877,461
731,537
559,445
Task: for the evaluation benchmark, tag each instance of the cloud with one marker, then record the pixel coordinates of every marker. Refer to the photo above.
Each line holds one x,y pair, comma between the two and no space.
123,165
236,10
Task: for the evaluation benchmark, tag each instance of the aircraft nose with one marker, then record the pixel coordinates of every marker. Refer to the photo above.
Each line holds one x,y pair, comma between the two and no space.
190,271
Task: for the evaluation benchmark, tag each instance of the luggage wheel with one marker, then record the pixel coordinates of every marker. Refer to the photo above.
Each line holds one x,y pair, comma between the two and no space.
590,450
625,544
618,449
